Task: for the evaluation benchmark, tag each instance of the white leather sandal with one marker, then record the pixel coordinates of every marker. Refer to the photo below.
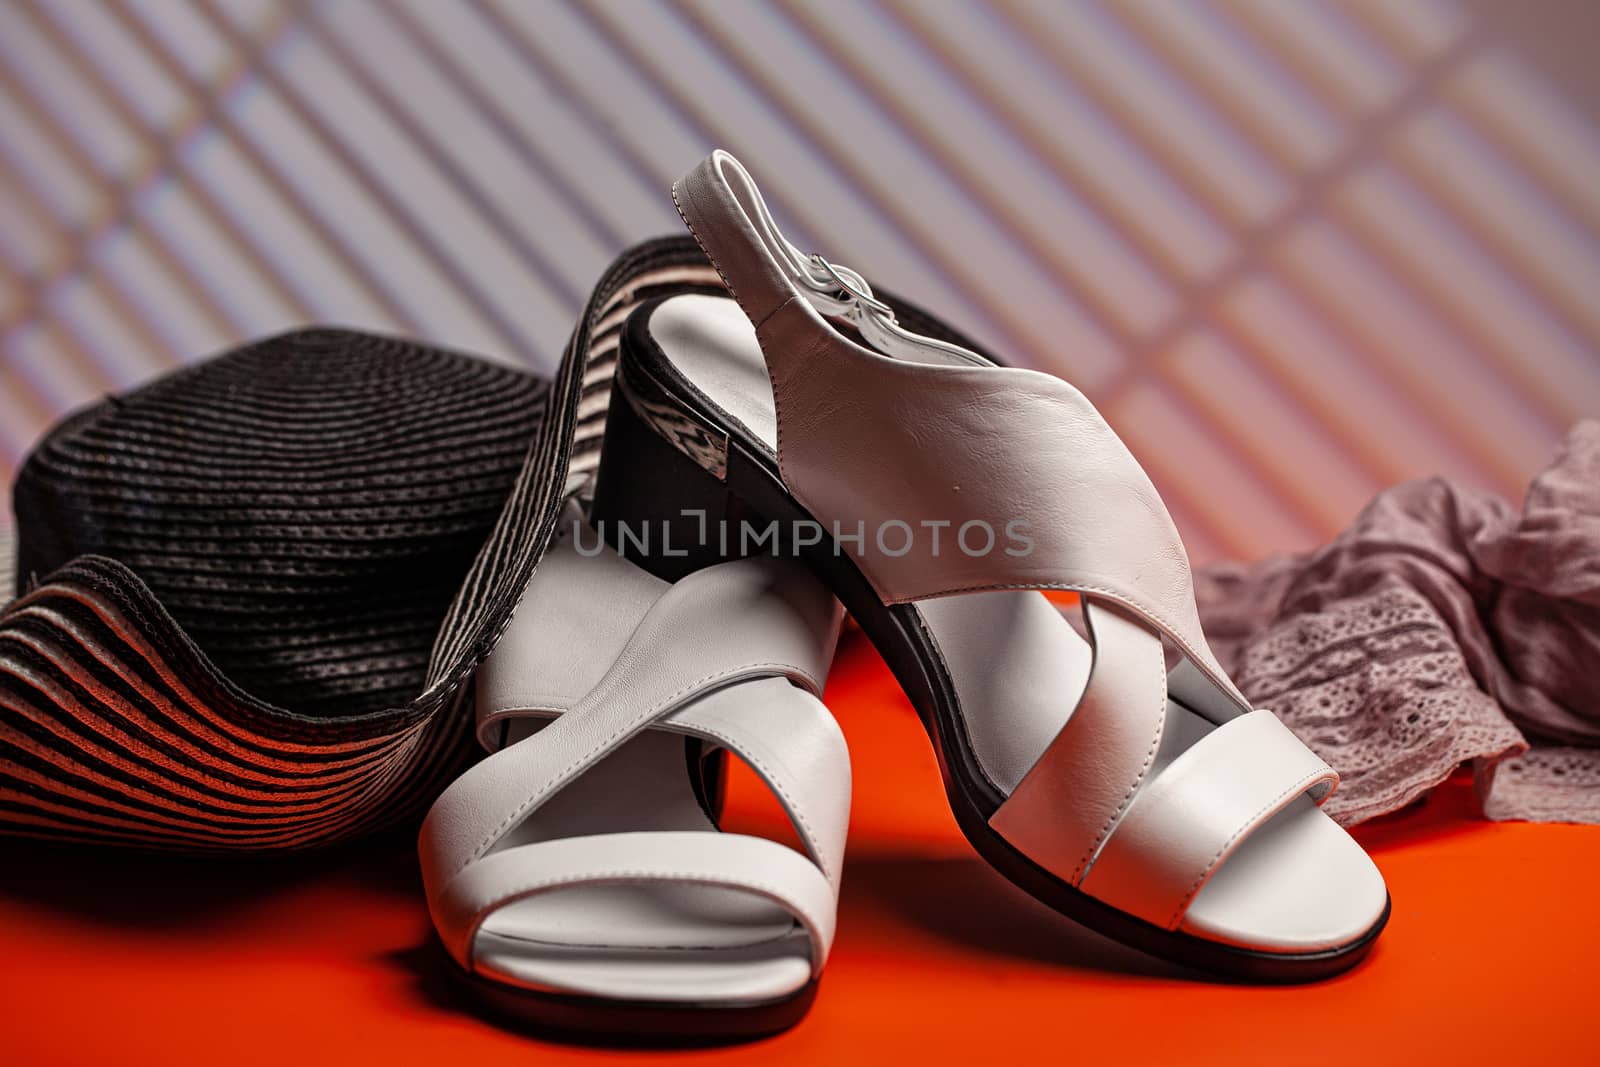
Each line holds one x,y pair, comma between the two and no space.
936,493
577,875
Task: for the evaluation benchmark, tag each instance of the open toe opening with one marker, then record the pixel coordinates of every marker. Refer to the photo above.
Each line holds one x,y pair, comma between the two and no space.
1300,883
647,942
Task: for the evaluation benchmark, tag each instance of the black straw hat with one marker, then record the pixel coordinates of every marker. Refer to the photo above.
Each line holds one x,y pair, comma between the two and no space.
249,595
252,592
232,579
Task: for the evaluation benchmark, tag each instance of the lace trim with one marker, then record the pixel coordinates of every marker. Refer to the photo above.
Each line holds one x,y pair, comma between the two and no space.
1377,687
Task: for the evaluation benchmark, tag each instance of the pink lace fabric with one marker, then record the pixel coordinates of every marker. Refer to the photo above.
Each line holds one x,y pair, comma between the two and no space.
1443,627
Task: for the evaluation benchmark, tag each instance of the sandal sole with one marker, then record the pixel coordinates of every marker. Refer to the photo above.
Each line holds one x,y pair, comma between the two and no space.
601,1021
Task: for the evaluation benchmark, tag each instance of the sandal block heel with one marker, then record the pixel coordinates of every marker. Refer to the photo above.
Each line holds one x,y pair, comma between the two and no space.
654,504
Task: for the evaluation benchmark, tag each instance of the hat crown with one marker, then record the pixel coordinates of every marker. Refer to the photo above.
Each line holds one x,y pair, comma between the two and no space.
305,507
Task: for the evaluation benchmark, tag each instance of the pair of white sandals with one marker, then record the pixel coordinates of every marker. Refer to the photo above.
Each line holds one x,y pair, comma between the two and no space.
577,874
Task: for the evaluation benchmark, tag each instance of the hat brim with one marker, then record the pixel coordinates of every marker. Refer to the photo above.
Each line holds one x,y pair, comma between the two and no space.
117,728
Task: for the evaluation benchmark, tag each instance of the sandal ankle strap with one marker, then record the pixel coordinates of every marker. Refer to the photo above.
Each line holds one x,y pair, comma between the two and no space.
1020,454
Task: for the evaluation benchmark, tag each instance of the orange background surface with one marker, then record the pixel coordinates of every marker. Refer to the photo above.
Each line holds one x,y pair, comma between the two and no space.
110,959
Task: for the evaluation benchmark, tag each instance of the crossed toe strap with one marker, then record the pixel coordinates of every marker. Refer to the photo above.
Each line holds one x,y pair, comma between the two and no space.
727,655
1097,809
1183,825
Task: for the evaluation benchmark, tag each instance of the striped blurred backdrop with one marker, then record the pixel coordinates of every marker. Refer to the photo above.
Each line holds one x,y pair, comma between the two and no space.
1296,251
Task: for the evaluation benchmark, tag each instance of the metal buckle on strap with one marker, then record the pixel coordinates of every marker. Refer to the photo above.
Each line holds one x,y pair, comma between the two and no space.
856,296
842,292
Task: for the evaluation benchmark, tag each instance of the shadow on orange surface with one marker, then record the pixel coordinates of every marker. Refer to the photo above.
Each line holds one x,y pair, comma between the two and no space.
117,958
